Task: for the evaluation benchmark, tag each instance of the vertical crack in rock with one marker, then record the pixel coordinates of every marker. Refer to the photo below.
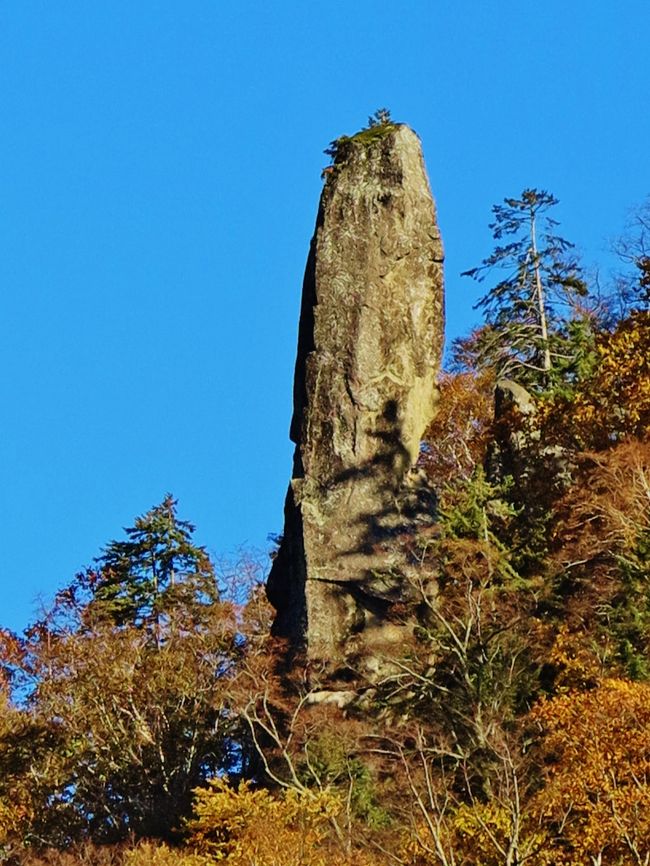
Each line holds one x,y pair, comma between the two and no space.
369,349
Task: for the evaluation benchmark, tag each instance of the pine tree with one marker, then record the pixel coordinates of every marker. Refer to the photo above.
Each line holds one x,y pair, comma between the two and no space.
142,579
531,312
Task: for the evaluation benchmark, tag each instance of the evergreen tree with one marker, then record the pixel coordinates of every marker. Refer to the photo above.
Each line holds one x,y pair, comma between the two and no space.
126,685
143,578
531,314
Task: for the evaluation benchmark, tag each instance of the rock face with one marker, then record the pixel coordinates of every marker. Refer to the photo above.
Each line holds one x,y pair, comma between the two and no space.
369,349
506,455
517,449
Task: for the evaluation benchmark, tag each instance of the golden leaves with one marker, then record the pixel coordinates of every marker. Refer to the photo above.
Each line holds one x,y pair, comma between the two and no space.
597,751
614,401
244,825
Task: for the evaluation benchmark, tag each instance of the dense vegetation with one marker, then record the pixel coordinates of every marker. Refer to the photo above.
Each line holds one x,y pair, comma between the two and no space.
147,717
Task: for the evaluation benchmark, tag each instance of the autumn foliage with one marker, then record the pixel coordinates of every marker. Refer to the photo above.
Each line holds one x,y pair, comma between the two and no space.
612,402
596,796
147,718
457,438
234,824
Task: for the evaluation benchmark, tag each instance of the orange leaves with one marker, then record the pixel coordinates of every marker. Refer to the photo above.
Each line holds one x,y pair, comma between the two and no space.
602,524
608,506
455,441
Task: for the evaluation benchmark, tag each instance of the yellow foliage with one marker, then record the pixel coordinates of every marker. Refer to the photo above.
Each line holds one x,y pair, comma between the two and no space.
577,667
480,834
597,745
12,816
243,826
150,854
479,827
615,400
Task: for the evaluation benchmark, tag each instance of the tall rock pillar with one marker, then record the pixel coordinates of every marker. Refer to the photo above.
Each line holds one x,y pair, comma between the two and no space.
369,349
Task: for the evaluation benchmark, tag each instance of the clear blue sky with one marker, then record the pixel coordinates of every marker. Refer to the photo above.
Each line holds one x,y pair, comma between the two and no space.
160,172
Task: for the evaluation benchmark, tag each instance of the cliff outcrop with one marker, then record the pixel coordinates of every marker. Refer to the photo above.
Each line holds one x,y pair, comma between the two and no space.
369,349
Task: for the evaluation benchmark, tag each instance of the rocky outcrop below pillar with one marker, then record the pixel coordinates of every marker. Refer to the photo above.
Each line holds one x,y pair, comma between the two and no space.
369,349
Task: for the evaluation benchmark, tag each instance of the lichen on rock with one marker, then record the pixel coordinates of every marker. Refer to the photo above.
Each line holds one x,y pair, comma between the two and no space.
369,348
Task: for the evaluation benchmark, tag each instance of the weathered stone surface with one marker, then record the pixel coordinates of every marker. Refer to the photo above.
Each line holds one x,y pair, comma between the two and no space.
517,449
509,395
507,452
369,348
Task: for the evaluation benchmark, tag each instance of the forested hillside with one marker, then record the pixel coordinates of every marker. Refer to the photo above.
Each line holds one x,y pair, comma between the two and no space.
148,717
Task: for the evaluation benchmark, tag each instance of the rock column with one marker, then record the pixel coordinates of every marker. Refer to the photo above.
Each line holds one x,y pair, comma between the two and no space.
369,350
